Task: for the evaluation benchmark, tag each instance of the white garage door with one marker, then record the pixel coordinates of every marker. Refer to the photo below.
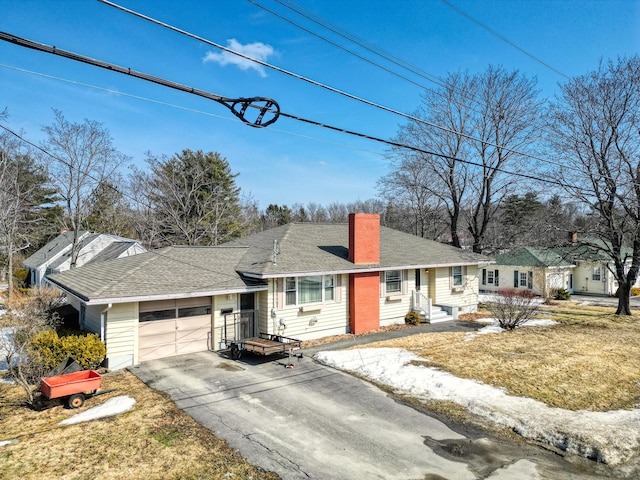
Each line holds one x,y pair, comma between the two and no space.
174,327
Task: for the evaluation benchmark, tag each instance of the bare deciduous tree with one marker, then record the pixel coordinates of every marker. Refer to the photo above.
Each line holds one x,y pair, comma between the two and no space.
487,122
81,156
596,133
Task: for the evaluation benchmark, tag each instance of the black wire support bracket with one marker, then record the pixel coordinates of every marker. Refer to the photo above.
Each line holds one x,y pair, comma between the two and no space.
268,110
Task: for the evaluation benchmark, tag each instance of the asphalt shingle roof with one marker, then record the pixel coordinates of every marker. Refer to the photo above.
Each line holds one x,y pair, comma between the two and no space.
302,249
51,249
113,251
84,241
534,257
168,271
309,247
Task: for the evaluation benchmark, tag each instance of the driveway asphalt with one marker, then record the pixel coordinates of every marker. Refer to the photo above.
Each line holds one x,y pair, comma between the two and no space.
314,422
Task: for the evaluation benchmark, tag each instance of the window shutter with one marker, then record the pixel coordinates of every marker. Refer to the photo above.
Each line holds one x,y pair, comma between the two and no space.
382,286
484,276
405,281
495,278
450,277
530,280
516,278
338,289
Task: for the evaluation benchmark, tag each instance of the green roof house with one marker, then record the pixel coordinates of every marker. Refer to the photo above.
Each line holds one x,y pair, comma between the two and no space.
536,269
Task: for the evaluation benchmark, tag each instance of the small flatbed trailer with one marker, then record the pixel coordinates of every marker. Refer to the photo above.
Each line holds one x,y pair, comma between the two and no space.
264,344
75,387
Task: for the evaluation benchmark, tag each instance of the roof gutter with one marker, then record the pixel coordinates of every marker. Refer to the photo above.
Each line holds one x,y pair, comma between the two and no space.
368,269
162,296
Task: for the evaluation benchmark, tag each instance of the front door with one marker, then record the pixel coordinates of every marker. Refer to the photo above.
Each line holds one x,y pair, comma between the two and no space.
248,319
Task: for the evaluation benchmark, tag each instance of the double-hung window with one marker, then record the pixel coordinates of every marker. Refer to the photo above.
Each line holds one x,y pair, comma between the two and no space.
457,276
311,289
523,279
596,274
393,281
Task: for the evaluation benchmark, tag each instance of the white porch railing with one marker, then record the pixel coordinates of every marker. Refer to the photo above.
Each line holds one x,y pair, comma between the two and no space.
422,304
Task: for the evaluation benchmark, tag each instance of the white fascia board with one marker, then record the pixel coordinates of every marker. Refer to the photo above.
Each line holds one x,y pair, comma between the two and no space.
367,269
148,298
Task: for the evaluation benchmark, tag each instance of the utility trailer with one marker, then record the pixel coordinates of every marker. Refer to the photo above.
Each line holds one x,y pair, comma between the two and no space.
240,334
263,344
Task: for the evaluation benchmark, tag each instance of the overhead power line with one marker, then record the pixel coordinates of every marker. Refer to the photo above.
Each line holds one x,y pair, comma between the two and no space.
324,86
70,55
238,106
323,23
504,39
179,107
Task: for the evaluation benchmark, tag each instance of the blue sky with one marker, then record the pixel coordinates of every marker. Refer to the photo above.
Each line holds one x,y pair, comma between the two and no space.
288,162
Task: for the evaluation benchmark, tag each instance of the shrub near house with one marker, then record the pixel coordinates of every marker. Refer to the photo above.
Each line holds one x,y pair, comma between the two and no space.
53,348
513,307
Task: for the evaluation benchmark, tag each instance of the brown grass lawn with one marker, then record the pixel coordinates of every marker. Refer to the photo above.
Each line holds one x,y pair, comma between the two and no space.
590,361
153,441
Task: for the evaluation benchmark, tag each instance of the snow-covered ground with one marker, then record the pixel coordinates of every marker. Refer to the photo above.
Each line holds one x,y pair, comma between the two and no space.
611,437
113,406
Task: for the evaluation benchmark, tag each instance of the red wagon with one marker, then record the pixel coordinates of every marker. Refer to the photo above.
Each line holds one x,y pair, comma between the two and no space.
76,386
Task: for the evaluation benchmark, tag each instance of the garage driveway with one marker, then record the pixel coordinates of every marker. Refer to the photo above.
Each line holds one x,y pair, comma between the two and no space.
313,422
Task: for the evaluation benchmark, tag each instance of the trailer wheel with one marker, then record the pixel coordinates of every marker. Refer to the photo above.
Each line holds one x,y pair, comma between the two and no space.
236,353
76,400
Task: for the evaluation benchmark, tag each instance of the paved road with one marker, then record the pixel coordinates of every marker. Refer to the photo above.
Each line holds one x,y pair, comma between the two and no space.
313,422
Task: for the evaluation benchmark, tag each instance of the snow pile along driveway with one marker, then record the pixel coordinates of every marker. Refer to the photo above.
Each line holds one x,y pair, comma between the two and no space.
610,437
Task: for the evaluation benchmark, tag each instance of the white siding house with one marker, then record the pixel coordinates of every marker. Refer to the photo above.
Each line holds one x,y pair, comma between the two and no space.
303,281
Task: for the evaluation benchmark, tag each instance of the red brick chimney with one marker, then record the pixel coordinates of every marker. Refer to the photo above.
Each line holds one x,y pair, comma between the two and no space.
364,238
364,287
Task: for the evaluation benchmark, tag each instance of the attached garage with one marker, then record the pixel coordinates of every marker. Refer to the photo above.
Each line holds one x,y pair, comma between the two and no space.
174,327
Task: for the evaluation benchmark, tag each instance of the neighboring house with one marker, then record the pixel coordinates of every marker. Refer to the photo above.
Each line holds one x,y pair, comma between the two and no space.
55,256
574,267
539,270
299,280
594,271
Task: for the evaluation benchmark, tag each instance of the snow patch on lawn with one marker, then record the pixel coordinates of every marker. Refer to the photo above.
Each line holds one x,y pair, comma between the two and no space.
611,437
111,407
494,327
6,335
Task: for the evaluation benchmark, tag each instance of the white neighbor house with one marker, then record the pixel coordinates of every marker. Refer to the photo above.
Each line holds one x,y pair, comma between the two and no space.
55,256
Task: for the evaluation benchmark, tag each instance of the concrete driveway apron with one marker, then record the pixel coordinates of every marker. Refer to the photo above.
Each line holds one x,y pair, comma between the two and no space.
313,422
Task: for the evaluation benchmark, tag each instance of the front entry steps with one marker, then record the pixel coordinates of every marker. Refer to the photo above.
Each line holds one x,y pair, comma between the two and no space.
438,315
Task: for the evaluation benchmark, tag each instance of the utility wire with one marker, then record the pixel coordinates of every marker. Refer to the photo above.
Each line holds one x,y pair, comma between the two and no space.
237,106
180,107
391,58
161,81
504,39
337,45
322,85
318,20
